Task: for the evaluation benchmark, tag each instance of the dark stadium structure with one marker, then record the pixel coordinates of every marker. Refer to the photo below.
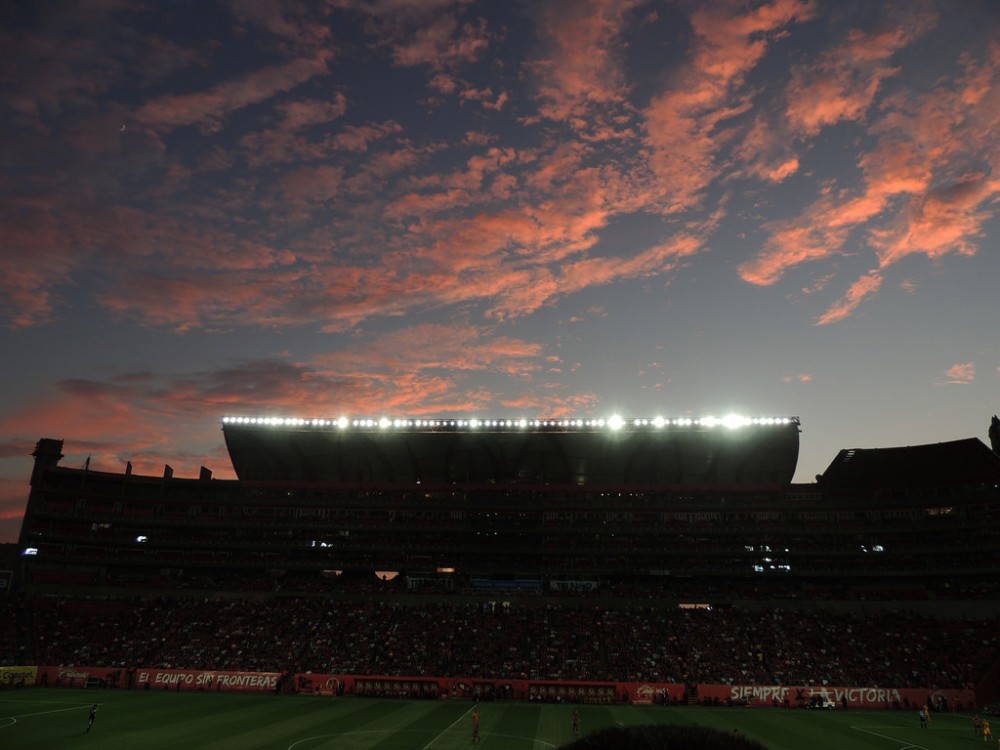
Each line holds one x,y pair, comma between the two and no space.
653,514
492,498
534,502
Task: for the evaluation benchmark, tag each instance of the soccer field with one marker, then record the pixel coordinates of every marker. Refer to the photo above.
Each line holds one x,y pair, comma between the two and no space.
54,719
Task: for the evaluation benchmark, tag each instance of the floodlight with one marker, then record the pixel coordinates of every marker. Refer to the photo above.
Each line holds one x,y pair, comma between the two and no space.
733,421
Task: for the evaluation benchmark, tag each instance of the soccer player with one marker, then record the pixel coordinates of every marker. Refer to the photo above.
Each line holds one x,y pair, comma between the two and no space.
576,722
987,732
475,725
922,713
977,725
91,717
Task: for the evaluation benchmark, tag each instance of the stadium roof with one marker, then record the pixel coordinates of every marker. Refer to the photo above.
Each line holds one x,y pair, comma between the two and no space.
937,464
730,450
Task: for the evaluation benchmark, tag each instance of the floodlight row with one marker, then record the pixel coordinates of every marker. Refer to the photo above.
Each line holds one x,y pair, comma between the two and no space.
614,422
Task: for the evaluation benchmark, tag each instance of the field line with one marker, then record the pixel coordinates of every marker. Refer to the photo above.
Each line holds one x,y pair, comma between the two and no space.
436,738
13,719
904,746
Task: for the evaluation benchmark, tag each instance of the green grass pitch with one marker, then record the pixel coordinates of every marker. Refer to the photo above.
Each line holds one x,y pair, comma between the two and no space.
37,719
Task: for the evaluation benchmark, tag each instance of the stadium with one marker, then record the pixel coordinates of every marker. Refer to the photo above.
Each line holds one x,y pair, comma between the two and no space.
595,562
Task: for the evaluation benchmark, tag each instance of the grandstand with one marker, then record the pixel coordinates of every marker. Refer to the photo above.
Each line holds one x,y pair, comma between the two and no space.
590,560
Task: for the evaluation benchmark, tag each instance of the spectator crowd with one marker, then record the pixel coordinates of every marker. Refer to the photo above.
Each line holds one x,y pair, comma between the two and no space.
554,639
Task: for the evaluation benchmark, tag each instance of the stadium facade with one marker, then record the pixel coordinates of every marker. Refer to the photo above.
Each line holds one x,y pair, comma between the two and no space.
540,503
678,512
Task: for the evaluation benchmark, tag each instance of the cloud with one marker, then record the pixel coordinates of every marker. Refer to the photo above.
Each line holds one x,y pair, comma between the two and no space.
301,113
368,218
842,84
927,183
293,28
858,292
685,126
211,108
765,153
442,43
579,69
961,374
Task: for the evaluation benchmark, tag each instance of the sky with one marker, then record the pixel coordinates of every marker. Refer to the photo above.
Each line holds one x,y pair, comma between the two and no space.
520,209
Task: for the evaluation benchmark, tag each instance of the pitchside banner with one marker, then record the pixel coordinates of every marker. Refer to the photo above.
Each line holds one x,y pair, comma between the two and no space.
17,676
849,697
161,679
193,679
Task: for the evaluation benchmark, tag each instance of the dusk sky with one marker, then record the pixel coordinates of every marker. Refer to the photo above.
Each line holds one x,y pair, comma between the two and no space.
512,209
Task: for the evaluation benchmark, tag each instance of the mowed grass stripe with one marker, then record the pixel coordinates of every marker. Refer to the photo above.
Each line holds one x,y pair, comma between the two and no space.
409,724
160,720
516,726
287,720
195,721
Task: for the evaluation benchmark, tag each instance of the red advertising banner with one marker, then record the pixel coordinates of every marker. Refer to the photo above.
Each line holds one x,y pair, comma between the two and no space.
195,679
652,693
159,679
829,697
80,676
642,693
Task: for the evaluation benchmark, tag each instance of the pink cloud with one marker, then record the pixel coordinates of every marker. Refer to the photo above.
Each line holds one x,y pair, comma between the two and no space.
301,113
442,42
858,292
437,347
765,153
683,124
843,83
579,72
308,186
295,28
961,374
818,234
210,108
360,137
914,198
486,97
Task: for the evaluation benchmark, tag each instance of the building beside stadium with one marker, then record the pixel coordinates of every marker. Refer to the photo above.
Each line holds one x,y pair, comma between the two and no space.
674,513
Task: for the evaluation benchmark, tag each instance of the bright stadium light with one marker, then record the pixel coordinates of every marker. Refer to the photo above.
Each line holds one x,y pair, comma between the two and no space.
734,421
615,422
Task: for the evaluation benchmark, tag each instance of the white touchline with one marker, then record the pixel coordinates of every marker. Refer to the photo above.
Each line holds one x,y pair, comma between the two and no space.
435,739
894,739
40,713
